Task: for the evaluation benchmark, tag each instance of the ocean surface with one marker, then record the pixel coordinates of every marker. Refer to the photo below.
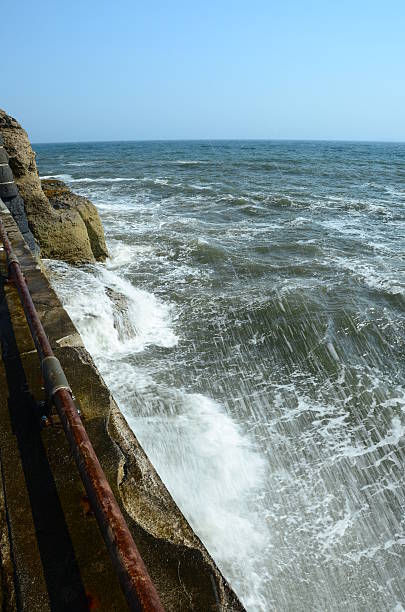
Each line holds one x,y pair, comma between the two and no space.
251,325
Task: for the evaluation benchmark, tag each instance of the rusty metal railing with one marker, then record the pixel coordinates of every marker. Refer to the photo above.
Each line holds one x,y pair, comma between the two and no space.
136,583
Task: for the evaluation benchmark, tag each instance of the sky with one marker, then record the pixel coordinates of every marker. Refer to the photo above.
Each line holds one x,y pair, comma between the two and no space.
139,70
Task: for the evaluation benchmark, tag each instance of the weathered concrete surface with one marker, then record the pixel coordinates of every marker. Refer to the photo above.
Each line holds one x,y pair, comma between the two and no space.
67,233
52,555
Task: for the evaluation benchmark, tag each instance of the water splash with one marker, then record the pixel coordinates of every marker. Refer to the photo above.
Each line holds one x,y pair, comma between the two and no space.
251,322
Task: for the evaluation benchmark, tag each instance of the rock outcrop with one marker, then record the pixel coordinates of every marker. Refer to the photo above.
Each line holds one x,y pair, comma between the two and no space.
11,197
83,215
67,227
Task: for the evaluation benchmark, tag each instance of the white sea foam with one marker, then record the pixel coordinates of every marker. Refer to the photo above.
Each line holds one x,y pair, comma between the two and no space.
343,227
203,456
61,177
336,530
383,280
396,193
200,187
122,255
115,317
392,437
188,162
209,466
299,221
308,474
101,179
84,163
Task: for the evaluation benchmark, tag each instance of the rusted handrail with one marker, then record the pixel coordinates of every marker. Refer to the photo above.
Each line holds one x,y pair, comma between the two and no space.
136,583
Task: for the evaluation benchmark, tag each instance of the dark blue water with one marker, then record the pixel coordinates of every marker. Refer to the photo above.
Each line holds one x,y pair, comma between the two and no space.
250,323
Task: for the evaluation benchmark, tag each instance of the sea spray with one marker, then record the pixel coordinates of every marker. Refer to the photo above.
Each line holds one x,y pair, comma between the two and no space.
253,332
208,464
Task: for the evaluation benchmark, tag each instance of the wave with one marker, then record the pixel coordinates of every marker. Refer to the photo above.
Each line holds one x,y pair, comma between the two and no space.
208,465
101,179
396,193
122,255
199,187
112,315
204,457
61,177
84,163
188,162
274,199
383,281
394,435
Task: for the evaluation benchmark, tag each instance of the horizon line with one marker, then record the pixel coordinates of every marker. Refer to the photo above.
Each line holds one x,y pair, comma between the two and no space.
334,140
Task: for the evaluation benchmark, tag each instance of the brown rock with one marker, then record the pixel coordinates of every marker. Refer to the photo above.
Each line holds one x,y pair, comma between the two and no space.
68,227
61,198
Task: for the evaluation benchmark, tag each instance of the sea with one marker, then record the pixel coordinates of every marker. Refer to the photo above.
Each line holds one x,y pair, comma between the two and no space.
250,323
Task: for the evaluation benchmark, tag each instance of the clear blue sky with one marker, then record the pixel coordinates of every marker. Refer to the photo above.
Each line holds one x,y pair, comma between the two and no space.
126,70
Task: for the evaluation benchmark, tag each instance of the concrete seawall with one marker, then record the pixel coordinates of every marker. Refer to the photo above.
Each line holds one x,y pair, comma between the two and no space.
52,554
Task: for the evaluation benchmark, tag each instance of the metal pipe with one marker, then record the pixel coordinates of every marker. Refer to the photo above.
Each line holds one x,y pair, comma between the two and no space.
136,583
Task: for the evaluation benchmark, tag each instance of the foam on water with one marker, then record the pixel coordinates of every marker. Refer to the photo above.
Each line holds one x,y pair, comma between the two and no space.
188,162
208,464
104,179
68,178
112,315
122,255
250,323
61,177
83,163
376,275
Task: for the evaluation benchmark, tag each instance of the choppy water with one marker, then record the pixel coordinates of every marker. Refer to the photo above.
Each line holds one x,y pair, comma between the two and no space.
250,323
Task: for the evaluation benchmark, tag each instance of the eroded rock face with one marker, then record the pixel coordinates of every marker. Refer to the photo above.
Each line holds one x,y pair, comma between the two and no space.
10,195
71,231
62,199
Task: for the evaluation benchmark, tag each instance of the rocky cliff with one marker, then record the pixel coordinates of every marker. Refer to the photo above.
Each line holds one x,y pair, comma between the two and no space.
65,226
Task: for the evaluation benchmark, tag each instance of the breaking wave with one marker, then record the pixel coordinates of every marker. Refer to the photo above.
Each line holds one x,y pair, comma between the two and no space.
250,323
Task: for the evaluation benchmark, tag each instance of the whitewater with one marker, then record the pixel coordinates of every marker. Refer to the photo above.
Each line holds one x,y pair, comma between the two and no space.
250,324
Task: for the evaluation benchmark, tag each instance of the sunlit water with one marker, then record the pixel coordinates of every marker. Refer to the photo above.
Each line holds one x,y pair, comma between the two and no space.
250,323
